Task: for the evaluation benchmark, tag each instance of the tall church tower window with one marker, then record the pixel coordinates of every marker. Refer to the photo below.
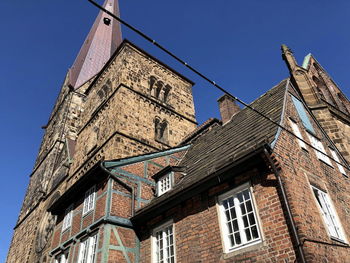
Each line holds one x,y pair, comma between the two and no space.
161,130
159,89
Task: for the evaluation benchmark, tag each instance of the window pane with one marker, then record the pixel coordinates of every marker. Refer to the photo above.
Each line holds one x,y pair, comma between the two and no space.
246,195
255,232
225,203
237,238
335,157
229,227
328,213
240,197
302,114
240,219
251,219
164,240
232,240
233,213
230,202
243,208
297,132
247,233
235,225
249,207
245,221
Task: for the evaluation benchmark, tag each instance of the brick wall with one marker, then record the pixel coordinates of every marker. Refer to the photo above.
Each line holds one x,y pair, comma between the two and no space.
197,229
301,169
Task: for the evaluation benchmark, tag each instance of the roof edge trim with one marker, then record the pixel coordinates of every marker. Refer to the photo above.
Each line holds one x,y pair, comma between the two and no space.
279,130
144,157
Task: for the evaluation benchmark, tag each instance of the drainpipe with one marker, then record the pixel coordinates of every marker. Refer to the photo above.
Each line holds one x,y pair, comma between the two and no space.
286,204
128,187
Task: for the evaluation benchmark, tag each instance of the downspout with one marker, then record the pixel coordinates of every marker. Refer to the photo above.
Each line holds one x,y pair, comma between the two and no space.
128,187
286,204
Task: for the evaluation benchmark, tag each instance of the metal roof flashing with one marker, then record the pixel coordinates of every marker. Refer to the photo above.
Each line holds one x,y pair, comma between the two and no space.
306,61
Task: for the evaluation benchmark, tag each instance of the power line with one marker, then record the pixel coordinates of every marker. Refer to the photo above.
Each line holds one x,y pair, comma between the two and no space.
197,72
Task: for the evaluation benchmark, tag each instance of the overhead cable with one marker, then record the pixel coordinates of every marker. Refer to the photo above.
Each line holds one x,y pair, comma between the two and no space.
152,41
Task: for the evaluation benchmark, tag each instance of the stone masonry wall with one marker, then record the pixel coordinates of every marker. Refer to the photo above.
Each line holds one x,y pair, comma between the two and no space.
120,104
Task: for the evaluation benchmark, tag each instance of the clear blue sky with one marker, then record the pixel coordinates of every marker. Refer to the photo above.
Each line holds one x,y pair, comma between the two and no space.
236,43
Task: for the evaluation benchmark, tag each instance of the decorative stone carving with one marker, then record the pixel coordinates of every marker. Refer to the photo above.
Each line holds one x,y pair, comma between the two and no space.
44,232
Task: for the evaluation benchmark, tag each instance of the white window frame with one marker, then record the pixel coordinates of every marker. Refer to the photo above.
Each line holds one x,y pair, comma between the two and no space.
226,225
68,216
62,257
296,131
161,231
318,145
329,214
165,183
87,249
89,200
335,157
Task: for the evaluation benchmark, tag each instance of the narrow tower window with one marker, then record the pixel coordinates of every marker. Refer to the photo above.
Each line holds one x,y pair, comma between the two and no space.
161,130
159,87
152,82
166,93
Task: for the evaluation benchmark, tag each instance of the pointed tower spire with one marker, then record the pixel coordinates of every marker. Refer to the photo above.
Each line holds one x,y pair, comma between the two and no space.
101,42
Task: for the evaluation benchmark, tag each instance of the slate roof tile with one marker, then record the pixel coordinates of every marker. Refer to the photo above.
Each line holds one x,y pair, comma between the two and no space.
225,144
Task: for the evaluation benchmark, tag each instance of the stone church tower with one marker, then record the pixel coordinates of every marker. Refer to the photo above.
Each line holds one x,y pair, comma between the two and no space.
323,97
116,101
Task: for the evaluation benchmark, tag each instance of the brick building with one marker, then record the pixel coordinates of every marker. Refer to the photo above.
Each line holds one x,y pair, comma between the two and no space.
125,175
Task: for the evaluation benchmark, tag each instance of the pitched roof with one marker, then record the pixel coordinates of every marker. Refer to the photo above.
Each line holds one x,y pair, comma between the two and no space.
102,41
227,144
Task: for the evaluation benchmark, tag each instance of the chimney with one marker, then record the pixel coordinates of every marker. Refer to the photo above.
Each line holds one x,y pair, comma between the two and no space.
228,107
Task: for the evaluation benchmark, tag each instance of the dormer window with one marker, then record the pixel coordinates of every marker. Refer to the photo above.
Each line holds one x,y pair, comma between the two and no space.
165,179
165,183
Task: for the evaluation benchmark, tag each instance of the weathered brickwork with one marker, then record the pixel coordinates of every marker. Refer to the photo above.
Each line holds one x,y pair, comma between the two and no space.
301,169
197,229
111,213
196,220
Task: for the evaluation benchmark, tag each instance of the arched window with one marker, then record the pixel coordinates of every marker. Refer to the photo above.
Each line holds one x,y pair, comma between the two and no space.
152,82
322,88
161,130
167,89
345,102
316,67
159,89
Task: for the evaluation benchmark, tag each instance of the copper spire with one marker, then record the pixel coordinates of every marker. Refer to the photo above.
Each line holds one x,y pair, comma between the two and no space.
102,40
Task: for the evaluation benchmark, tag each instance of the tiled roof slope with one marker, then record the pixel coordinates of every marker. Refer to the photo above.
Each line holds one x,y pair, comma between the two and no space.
226,144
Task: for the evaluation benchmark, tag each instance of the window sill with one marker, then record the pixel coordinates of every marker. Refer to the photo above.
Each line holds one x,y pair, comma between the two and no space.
65,230
243,249
87,213
329,165
343,242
